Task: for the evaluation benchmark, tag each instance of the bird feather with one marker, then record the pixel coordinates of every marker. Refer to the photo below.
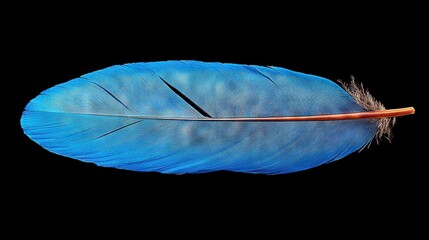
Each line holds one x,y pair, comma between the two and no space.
190,117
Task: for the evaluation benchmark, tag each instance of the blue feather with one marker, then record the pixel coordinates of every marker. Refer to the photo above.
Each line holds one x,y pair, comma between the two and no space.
118,117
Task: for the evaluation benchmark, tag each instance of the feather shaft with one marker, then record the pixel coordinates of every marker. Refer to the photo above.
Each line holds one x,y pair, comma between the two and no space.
397,112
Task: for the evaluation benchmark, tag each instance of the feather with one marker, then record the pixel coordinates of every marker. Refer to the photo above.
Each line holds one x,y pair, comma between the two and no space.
193,117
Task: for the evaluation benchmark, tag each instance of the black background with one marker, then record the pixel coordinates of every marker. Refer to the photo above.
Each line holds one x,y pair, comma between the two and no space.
380,191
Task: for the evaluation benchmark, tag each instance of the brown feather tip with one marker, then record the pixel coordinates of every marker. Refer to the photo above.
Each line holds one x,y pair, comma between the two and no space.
369,103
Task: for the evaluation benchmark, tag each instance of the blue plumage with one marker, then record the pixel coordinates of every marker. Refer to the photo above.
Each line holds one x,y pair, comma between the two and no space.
109,117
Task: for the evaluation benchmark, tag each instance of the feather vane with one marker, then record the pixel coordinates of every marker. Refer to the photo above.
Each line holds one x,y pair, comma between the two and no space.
194,117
